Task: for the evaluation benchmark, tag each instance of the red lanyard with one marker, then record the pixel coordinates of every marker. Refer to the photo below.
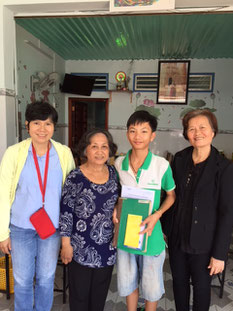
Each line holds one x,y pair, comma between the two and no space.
42,187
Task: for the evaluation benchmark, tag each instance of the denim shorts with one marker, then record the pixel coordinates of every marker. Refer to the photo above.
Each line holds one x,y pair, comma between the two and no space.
145,272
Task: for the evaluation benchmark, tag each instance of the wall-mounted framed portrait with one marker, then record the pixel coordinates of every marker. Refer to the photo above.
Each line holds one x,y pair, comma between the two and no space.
173,82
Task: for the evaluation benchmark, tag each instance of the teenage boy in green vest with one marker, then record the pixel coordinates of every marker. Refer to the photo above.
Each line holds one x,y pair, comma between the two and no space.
142,169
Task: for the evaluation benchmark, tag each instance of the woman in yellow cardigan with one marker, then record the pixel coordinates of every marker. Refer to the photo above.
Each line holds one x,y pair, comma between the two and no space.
32,173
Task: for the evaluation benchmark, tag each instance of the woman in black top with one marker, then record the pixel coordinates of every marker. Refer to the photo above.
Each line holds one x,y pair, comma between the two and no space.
200,223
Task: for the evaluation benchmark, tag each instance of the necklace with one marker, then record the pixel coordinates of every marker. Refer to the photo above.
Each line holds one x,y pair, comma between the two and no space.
133,169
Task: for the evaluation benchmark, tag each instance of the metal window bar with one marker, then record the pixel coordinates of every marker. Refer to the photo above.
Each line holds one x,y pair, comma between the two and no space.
197,82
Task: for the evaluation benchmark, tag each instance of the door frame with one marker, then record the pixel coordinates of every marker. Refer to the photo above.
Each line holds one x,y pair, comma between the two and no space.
71,100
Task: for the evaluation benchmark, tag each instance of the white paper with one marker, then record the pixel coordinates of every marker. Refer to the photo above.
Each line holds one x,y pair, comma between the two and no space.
137,193
141,238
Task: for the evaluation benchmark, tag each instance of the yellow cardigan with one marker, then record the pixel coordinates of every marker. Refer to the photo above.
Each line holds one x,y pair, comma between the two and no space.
10,169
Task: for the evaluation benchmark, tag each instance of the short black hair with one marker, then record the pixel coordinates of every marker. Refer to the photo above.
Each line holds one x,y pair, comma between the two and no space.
86,140
142,116
41,111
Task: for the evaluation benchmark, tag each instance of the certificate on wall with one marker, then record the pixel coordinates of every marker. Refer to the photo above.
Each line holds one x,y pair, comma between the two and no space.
141,5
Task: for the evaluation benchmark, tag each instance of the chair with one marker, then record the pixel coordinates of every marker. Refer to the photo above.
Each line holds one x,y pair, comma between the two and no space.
64,280
221,279
6,277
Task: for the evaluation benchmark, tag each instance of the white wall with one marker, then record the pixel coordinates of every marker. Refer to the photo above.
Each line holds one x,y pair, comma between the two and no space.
30,62
7,86
169,135
170,114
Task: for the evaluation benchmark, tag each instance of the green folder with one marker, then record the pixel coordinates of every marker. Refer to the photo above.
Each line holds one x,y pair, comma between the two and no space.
132,207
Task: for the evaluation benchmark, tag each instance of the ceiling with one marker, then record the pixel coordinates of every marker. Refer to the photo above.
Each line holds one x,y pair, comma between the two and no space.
115,37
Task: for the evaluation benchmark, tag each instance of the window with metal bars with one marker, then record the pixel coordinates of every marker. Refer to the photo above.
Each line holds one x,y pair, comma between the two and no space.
145,82
201,82
198,82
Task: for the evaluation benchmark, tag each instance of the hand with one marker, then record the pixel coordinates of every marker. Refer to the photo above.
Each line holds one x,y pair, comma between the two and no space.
216,266
5,246
114,217
150,222
66,253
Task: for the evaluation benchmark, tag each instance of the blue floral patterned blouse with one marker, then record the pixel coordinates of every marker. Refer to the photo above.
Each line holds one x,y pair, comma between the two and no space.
86,217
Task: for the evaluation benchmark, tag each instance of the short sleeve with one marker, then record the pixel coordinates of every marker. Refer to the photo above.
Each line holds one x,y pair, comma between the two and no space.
168,183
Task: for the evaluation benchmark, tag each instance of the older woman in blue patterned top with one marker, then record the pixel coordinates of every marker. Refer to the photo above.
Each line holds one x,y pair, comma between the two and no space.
88,199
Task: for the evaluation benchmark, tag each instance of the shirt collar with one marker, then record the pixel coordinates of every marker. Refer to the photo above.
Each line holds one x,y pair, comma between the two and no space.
145,165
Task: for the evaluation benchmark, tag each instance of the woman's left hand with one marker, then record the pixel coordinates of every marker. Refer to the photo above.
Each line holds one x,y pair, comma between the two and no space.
216,266
66,254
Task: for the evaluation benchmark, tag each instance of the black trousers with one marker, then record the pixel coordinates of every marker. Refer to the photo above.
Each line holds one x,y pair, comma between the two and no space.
88,287
189,267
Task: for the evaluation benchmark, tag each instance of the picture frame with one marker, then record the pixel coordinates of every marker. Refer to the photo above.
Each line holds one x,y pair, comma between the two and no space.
173,82
141,5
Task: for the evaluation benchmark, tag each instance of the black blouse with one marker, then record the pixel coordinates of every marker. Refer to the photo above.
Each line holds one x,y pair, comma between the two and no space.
183,216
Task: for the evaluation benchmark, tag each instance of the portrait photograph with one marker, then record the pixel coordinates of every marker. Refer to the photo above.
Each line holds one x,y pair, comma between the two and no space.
173,82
